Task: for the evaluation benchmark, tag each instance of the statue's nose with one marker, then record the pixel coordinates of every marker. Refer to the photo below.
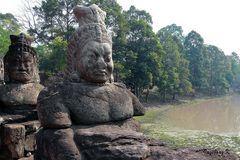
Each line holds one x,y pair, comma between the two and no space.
21,67
101,63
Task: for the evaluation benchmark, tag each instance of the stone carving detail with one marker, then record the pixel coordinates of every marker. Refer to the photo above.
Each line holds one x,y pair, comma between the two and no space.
18,99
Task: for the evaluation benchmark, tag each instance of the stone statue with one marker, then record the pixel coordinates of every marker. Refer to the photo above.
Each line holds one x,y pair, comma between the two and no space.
18,99
21,77
88,97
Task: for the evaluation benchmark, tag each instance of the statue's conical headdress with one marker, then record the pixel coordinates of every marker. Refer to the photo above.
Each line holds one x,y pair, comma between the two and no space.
91,28
20,43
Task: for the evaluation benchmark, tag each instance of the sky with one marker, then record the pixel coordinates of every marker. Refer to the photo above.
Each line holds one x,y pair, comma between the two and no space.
217,21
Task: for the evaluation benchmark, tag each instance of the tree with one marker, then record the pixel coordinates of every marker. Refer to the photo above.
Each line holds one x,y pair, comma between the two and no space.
185,86
8,25
233,75
52,57
143,43
176,73
217,71
50,19
137,15
175,31
194,51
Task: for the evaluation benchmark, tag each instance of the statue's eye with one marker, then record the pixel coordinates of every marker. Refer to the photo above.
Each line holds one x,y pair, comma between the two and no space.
107,59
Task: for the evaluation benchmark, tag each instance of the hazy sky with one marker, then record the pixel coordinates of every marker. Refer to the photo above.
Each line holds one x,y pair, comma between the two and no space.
217,21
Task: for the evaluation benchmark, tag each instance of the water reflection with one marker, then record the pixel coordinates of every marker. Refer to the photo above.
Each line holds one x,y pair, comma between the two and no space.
219,116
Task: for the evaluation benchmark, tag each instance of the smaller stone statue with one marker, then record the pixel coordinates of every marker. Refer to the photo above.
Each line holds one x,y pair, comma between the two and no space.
18,99
21,77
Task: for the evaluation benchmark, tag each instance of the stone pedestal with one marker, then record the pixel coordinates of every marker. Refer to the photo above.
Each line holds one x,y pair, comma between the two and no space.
18,139
117,141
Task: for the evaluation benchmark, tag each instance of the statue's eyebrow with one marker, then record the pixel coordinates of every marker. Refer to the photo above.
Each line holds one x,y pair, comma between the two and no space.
94,50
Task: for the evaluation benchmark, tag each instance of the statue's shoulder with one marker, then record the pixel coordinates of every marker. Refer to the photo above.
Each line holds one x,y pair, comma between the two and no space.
50,91
120,85
39,87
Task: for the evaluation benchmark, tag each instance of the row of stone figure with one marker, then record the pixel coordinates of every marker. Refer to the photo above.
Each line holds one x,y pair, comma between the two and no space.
87,101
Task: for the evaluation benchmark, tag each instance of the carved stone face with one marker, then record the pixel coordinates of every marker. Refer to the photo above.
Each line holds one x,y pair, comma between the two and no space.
94,63
21,67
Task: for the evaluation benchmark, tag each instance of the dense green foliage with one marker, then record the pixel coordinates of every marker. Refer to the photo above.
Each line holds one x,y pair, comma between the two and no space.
177,65
8,25
175,79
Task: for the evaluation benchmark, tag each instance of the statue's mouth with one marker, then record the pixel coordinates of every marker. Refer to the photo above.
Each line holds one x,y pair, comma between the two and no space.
100,73
22,72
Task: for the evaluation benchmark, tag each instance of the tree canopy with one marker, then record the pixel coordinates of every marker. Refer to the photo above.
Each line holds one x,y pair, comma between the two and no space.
177,65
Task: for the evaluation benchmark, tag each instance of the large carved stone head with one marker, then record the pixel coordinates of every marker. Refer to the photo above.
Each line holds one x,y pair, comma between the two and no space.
90,49
20,62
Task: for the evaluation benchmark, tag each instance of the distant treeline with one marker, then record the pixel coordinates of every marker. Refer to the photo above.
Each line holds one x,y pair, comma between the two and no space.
177,65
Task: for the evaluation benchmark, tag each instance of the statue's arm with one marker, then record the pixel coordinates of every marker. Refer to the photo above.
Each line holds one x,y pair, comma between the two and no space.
52,112
138,108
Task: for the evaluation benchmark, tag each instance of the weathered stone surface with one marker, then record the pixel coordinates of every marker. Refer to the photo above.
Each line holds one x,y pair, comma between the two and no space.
31,157
30,142
17,118
18,139
14,137
31,126
111,142
88,104
19,94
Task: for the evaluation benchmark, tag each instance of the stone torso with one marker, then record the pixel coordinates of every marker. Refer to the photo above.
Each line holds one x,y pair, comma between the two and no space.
82,103
90,104
19,94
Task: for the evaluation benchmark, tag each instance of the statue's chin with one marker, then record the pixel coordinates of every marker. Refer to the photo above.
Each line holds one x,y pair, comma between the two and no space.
21,78
96,80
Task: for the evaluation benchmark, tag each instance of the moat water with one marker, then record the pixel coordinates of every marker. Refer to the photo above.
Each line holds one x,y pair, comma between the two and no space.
221,115
210,123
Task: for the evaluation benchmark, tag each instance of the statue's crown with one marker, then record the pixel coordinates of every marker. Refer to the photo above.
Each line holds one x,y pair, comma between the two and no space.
89,15
91,25
19,44
20,39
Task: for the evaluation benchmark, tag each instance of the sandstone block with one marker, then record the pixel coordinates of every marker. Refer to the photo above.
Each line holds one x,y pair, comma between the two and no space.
30,142
14,137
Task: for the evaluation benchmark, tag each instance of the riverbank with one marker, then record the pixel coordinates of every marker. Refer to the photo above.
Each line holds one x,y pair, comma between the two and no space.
158,123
